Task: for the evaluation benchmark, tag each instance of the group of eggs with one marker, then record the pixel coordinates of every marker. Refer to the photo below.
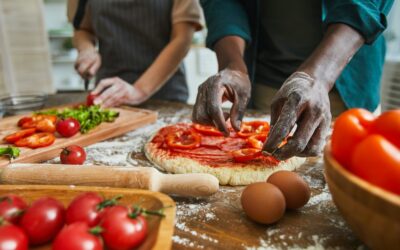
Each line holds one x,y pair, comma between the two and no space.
266,202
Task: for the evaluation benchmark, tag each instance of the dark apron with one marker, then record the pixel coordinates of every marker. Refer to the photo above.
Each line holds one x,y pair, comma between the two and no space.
131,35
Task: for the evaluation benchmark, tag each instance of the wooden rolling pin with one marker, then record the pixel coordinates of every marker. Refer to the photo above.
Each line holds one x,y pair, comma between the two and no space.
110,176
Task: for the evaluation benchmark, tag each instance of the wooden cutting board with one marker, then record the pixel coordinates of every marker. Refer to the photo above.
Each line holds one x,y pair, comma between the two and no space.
129,119
160,230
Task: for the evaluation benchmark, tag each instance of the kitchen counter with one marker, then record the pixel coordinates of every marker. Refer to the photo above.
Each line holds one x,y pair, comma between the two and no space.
218,222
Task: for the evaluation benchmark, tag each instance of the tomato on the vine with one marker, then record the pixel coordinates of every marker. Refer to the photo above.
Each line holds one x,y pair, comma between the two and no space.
43,220
350,127
73,154
185,139
68,127
123,229
88,207
11,208
78,236
253,128
12,238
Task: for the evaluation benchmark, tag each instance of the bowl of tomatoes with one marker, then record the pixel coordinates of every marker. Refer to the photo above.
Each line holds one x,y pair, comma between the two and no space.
362,170
67,217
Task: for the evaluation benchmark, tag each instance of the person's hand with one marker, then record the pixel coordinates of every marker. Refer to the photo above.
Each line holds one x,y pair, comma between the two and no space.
115,92
87,63
305,102
226,85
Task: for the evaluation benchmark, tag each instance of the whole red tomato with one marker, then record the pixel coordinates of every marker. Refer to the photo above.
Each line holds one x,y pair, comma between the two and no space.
43,220
90,99
77,236
377,161
68,127
89,208
73,154
388,125
122,229
11,208
12,238
350,128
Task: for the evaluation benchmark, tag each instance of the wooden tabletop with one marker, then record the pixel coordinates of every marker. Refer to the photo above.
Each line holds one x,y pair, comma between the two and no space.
218,222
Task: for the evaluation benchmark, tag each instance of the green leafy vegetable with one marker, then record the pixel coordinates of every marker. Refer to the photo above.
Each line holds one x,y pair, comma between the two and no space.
10,152
88,117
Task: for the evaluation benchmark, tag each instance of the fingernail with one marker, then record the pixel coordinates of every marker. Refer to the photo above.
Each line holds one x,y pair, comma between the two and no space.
97,102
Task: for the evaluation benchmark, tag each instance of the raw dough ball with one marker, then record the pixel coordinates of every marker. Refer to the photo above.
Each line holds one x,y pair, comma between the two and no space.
263,202
294,188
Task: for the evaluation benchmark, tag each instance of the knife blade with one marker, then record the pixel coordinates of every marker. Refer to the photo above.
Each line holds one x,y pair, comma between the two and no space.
86,82
195,185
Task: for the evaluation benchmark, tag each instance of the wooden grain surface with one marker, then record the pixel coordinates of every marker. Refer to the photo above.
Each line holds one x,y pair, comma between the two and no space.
218,222
129,119
160,229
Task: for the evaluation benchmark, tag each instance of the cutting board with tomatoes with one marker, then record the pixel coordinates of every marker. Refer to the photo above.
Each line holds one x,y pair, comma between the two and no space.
129,119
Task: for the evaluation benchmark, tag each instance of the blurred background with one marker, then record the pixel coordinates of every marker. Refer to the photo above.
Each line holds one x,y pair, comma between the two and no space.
36,52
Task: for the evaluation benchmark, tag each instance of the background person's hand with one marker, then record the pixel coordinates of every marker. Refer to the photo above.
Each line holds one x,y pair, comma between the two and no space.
226,85
87,63
305,102
115,92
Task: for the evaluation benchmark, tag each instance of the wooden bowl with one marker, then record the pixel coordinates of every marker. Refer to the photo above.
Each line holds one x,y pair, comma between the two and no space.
372,213
160,229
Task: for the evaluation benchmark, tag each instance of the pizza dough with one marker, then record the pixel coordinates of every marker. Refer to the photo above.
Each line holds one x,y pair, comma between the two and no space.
230,173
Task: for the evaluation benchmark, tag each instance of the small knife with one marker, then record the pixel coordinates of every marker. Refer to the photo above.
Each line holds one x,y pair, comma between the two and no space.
195,185
86,84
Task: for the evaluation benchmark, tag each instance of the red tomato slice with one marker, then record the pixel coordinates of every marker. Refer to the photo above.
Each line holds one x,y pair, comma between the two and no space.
24,120
257,141
253,128
46,125
36,140
245,154
183,139
207,130
12,138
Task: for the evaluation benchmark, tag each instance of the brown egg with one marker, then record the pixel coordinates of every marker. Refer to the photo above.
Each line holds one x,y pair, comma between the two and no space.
293,187
263,202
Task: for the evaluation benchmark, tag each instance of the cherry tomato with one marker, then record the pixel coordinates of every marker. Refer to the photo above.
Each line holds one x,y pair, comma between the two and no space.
257,141
11,208
350,128
388,125
12,238
43,220
187,139
12,138
122,230
90,99
246,154
89,208
77,236
73,154
68,127
36,140
207,130
377,161
253,128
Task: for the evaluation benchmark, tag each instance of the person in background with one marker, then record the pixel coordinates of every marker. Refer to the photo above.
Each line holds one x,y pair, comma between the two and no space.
303,59
141,45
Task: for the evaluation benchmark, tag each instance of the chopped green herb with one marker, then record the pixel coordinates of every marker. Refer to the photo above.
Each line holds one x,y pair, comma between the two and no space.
10,151
88,117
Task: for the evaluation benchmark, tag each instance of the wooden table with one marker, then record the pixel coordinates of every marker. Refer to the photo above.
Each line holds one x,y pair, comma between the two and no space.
218,222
